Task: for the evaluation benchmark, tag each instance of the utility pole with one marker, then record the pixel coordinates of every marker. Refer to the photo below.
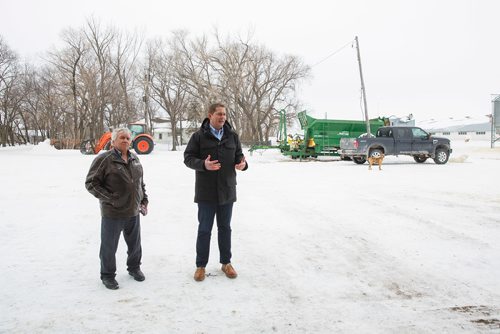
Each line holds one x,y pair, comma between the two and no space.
363,91
147,79
495,101
492,120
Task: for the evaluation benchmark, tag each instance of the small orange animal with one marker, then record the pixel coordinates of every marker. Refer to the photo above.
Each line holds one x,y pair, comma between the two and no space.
376,160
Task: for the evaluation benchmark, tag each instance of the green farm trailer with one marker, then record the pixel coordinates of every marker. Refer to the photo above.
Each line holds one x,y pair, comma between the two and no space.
321,136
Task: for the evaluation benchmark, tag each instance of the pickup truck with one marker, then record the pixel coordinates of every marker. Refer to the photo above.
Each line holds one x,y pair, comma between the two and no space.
397,140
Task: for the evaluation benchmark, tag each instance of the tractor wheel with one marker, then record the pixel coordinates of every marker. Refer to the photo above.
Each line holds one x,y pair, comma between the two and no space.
143,145
86,147
359,160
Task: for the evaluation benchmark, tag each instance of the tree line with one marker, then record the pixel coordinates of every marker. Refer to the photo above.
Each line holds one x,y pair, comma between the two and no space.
100,78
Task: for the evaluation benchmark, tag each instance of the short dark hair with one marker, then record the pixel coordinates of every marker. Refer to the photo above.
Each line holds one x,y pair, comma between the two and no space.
214,107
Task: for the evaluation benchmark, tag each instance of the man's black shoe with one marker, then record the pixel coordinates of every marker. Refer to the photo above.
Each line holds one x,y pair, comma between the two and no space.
137,275
110,283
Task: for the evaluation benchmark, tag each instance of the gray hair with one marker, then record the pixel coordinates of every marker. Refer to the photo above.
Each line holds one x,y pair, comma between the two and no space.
115,133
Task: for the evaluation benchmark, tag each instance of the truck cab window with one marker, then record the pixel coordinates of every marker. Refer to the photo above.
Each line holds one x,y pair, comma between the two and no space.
419,133
384,133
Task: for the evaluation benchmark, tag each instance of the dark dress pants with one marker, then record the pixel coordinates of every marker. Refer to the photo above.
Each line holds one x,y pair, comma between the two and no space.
206,214
111,229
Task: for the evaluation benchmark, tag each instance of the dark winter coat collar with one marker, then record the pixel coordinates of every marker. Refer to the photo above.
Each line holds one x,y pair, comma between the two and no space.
118,155
205,127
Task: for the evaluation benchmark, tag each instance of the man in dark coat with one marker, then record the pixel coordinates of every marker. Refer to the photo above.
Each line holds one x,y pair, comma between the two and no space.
214,152
115,178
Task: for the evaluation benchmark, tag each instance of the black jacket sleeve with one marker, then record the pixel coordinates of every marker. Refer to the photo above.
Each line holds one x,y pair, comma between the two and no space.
192,154
239,153
144,195
95,179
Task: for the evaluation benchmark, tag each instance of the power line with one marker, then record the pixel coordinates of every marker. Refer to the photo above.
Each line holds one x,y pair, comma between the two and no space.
332,54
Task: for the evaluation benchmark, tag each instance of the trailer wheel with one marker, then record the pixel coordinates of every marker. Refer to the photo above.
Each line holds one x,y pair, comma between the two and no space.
442,156
420,158
359,160
143,145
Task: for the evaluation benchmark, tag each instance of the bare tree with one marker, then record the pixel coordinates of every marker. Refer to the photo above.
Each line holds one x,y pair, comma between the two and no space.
30,104
197,71
54,104
273,85
253,81
10,93
68,62
96,81
168,87
95,71
124,60
100,78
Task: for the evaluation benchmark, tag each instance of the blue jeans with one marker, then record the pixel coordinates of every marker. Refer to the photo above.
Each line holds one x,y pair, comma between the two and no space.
206,214
111,229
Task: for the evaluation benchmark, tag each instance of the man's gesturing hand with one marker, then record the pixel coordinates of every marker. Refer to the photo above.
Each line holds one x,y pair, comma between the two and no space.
211,165
241,165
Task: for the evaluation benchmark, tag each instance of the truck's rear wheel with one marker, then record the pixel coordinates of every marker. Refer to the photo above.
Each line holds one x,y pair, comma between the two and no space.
420,158
376,153
359,160
143,145
442,156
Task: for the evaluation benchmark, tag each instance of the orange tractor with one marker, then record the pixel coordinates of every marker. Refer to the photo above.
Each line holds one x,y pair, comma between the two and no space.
142,142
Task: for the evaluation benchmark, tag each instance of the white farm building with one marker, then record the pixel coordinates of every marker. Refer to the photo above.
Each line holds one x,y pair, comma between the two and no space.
466,128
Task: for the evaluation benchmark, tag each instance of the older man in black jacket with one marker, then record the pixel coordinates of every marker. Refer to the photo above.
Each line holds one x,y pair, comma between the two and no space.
115,178
214,152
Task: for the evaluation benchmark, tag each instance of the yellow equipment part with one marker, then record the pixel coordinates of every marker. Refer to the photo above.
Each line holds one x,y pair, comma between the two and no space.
311,143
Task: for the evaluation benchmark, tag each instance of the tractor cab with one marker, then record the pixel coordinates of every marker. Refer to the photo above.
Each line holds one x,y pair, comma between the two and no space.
136,129
142,142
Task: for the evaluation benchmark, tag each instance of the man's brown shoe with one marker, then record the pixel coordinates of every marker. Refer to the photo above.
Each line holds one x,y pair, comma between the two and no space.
229,270
199,274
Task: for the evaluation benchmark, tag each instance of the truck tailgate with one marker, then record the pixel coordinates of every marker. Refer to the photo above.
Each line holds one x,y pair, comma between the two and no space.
348,144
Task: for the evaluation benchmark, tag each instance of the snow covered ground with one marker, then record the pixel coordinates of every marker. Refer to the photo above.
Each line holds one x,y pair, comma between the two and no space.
320,247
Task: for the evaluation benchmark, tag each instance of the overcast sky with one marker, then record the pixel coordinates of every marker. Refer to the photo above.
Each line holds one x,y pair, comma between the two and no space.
431,58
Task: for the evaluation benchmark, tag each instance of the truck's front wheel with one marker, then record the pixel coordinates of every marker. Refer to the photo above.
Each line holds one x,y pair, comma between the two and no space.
359,160
442,156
